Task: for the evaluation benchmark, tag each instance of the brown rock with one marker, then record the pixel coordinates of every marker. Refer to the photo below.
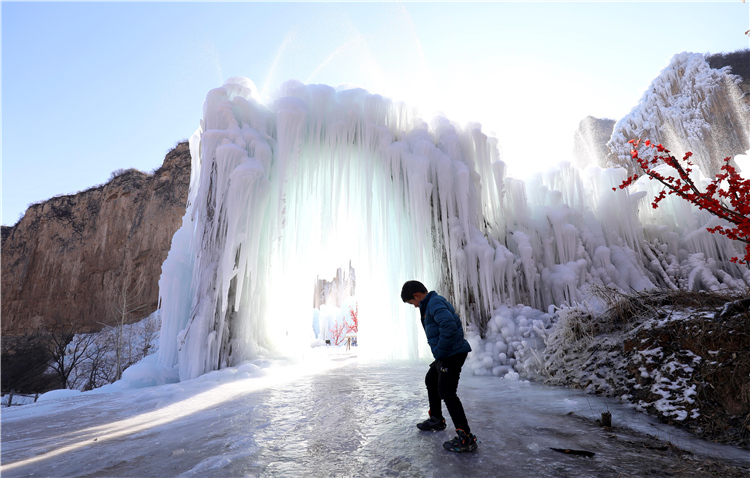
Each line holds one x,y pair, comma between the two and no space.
65,260
739,64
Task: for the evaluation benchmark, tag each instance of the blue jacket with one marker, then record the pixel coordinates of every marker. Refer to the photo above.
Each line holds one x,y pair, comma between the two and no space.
442,327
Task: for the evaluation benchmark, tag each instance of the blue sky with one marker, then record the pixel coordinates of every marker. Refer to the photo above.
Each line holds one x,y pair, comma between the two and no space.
88,88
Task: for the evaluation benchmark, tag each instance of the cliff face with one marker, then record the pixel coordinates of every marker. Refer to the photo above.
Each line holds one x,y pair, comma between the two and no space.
70,258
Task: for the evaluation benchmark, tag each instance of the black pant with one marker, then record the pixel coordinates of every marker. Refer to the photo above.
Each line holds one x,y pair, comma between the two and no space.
442,383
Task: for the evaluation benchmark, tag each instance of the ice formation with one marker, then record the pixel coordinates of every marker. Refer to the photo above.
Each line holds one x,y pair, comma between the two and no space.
319,179
688,107
590,141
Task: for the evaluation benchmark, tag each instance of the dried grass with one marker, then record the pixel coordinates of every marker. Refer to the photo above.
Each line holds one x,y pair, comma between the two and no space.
624,309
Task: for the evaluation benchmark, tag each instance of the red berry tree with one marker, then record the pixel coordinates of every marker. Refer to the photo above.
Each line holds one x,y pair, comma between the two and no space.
731,204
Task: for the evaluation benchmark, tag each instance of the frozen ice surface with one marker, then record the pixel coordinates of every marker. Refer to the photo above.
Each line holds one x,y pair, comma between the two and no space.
341,417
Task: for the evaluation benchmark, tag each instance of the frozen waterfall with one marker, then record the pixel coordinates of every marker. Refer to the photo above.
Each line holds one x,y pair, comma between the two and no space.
320,179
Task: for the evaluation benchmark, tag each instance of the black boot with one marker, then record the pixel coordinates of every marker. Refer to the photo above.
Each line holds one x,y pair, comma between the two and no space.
462,442
432,424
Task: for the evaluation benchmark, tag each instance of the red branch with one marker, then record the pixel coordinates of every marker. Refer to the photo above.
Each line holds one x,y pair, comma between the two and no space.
337,334
353,315
732,204
338,331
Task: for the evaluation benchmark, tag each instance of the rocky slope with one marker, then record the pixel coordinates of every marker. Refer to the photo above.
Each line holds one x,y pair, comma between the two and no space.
681,356
739,64
590,140
70,258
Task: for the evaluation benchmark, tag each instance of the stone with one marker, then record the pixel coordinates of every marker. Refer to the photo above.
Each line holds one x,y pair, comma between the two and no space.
69,257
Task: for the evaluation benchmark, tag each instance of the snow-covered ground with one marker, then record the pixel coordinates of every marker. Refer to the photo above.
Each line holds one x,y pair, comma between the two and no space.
336,415
680,356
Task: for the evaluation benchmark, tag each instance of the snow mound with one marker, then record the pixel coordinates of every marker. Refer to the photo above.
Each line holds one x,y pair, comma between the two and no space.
58,394
146,373
512,344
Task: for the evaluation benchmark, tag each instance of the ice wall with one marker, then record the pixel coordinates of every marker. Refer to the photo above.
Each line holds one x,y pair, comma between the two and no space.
318,179
688,107
284,193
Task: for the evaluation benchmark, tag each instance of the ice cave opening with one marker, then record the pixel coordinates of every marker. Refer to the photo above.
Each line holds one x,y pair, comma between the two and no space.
279,194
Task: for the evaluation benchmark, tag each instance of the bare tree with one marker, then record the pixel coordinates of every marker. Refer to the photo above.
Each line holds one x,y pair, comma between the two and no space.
127,303
25,364
95,368
66,353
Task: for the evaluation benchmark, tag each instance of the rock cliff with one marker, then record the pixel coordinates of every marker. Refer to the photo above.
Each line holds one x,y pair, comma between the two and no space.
739,64
70,258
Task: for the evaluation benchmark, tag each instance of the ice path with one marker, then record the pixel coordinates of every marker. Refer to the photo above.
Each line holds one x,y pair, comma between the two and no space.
354,419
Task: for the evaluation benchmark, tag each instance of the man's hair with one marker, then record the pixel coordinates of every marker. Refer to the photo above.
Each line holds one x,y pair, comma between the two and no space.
410,288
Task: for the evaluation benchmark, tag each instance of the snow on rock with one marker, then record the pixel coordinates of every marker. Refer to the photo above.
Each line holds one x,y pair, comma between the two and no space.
688,107
672,382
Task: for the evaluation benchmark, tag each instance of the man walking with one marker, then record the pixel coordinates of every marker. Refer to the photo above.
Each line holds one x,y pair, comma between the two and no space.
449,348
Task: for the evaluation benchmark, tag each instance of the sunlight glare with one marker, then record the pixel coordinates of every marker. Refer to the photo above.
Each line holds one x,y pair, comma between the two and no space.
222,393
